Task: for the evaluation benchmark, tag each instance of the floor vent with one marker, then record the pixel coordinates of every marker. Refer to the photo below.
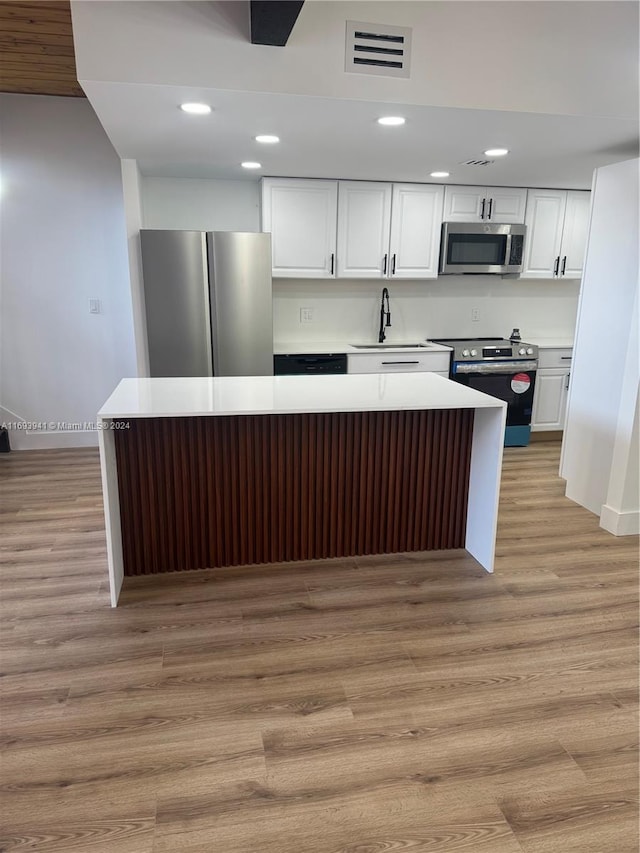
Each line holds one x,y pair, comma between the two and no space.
377,49
477,162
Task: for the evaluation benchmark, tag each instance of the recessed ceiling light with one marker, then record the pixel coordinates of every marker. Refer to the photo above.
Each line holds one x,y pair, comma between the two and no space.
196,109
267,138
250,164
496,152
439,174
391,121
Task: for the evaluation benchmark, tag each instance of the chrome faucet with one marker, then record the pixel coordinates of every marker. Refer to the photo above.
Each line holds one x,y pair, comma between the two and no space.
383,314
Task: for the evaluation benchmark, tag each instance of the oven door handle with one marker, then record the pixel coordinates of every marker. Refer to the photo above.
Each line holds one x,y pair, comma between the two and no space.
504,369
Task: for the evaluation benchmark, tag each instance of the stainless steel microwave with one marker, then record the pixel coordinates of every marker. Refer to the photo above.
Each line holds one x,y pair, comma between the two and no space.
481,247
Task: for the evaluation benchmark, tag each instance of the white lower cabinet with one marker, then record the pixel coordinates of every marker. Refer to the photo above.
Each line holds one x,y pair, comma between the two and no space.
552,389
393,362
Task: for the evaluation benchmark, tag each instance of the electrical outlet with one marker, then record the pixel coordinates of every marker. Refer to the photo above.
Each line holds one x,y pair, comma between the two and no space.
306,315
475,315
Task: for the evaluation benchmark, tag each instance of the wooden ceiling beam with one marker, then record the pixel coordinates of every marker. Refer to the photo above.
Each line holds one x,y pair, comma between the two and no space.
36,48
273,20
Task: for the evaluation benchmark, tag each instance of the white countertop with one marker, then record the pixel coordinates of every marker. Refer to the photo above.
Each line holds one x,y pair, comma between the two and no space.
266,395
326,347
557,342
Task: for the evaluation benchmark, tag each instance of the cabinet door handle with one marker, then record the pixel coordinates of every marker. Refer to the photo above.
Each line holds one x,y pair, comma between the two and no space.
484,201
393,264
566,387
555,266
384,265
490,208
564,265
332,261
400,362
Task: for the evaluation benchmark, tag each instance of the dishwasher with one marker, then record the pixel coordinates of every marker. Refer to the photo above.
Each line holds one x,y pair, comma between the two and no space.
295,365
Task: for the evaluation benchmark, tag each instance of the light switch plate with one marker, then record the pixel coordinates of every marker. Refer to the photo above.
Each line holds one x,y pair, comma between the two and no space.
94,306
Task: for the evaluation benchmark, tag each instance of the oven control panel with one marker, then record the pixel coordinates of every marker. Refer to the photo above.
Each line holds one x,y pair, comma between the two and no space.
491,350
497,352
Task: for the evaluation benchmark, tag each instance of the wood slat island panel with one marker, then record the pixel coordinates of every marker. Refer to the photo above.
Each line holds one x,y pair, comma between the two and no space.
207,492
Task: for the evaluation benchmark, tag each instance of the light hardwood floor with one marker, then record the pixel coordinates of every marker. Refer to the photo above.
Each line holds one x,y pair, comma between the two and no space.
364,706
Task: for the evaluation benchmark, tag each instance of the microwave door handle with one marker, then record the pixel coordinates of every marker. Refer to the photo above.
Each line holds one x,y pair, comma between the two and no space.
507,259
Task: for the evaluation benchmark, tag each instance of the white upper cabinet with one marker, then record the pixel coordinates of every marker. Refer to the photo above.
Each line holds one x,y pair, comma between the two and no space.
301,216
388,231
506,204
364,219
557,223
544,219
575,232
463,204
484,204
416,220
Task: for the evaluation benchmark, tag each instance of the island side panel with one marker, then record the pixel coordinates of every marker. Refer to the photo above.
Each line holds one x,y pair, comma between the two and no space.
484,484
202,492
111,500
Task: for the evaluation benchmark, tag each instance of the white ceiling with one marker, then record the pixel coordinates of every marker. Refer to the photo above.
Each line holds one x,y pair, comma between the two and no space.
525,75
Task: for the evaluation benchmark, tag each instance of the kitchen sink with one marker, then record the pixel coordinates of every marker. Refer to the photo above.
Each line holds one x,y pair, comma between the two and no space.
391,346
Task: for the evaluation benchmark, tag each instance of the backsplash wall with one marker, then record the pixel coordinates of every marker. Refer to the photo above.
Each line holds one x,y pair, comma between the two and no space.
348,310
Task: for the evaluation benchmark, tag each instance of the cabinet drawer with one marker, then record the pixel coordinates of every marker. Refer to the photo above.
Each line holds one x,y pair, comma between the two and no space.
394,362
555,357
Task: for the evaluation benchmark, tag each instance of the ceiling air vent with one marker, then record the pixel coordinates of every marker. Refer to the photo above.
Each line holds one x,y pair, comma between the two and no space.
477,162
378,49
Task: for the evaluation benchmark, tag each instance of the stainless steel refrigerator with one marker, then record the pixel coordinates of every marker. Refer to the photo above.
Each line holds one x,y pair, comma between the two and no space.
208,302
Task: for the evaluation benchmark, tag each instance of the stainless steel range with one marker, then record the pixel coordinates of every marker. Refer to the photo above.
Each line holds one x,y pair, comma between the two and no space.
503,369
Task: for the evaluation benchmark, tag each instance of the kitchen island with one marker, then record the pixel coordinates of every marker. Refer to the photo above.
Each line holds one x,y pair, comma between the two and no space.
205,472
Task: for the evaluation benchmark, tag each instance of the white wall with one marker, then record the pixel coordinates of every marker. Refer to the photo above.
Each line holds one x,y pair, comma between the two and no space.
63,241
200,205
132,195
621,509
599,445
